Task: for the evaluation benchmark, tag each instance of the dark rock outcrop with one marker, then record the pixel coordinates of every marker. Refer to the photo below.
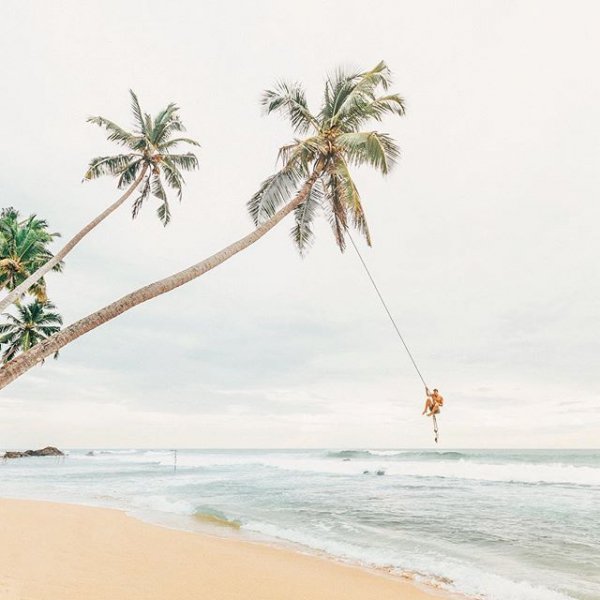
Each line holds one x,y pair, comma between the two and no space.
47,451
12,455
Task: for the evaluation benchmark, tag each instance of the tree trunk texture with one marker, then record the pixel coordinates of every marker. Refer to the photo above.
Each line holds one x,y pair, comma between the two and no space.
22,363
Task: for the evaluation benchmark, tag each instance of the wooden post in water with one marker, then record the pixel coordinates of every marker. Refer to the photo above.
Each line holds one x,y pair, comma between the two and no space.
174,461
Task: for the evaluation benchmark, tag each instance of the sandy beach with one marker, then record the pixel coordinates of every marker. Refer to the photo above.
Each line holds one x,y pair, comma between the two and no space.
54,551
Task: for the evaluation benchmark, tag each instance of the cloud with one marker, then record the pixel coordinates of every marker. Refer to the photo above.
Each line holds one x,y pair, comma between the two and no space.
485,242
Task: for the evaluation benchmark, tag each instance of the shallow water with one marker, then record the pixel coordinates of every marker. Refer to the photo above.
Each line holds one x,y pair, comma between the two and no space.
497,525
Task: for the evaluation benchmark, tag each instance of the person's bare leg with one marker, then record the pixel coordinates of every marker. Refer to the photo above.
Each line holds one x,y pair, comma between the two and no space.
428,405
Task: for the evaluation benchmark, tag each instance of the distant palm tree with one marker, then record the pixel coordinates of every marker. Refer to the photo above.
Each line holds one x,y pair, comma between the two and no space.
34,323
150,158
315,173
151,146
23,249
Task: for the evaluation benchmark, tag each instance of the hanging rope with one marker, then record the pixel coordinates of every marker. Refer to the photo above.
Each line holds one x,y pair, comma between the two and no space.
389,314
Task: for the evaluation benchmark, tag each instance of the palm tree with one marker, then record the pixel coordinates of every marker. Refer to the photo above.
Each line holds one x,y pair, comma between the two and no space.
23,249
149,160
335,142
34,323
320,161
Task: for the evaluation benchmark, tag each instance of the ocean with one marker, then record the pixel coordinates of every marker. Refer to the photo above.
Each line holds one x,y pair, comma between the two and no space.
490,524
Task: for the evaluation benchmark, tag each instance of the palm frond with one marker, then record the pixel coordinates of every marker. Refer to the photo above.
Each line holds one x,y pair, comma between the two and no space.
130,173
11,352
148,126
379,75
164,213
108,165
302,152
338,87
137,113
365,109
5,327
335,207
391,104
302,232
351,198
158,191
41,225
48,330
375,149
176,141
9,214
139,201
273,192
38,291
351,93
116,133
290,99
161,131
187,161
163,117
172,126
173,176
50,317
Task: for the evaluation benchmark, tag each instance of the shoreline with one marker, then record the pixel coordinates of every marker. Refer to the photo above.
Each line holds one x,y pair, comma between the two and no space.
65,551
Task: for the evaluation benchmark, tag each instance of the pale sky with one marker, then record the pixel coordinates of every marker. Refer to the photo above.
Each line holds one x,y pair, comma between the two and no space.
485,235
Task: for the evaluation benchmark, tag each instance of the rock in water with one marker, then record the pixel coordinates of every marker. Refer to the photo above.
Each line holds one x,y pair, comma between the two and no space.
47,451
381,472
13,455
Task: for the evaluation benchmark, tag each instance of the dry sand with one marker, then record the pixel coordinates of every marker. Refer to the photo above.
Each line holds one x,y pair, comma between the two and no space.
65,552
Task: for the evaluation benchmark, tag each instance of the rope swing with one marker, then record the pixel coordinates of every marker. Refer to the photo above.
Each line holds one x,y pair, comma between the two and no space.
389,314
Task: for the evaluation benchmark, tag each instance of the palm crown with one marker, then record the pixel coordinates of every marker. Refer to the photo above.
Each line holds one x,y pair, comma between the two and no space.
151,147
23,249
34,323
336,140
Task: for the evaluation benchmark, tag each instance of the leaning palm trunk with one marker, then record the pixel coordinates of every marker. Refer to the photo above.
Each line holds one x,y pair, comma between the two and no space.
22,288
19,365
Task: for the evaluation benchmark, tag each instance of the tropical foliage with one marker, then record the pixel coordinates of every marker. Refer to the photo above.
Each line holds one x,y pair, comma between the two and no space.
315,174
150,147
34,322
150,160
23,249
333,140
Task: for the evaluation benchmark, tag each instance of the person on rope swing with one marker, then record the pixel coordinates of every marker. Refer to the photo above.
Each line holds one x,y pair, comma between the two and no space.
433,403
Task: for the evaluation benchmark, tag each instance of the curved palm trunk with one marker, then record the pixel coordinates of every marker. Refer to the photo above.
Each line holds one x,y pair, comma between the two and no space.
16,367
22,288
